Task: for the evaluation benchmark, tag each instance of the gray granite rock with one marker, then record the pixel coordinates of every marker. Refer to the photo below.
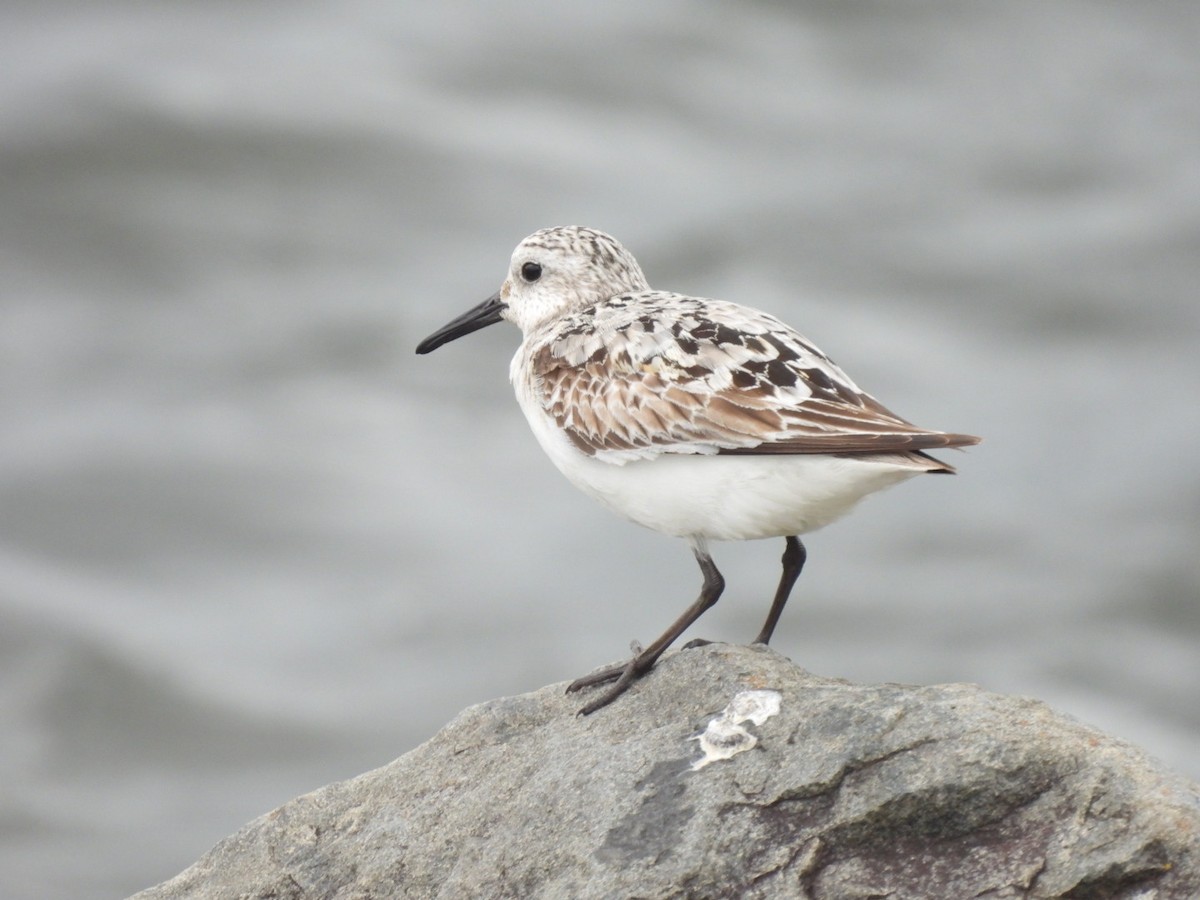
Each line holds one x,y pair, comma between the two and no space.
849,791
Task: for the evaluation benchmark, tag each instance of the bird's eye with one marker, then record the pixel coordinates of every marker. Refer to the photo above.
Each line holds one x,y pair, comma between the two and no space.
531,271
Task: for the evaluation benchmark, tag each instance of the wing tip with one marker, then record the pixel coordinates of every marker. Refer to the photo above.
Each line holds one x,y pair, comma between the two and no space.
962,440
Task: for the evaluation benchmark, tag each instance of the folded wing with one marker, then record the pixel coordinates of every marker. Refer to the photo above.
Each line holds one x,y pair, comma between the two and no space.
627,382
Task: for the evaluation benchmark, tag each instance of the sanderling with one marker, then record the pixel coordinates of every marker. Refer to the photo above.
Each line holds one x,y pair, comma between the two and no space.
698,418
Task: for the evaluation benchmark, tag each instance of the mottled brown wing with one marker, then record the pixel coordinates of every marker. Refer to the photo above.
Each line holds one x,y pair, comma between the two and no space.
618,407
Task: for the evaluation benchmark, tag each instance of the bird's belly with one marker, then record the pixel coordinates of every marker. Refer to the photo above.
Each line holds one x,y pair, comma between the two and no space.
734,498
727,498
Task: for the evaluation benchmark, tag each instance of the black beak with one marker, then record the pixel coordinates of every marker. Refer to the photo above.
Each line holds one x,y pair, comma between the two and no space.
485,314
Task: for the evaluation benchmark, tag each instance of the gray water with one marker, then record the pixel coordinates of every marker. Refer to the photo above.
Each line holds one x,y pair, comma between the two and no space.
250,544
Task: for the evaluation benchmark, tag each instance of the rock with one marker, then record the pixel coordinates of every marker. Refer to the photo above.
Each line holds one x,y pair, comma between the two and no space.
848,791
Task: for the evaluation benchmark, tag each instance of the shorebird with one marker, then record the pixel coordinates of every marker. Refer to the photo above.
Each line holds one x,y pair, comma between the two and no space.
697,418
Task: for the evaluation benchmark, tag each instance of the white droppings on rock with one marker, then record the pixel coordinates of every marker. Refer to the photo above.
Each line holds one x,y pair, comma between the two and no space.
725,736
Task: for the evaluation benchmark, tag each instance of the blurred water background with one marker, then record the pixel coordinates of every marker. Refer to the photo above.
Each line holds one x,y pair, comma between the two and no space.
250,544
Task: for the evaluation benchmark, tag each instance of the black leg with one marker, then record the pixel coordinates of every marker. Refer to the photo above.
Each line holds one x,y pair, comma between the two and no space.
793,561
626,673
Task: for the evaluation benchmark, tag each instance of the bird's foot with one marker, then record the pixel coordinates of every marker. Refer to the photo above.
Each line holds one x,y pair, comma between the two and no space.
694,643
622,674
